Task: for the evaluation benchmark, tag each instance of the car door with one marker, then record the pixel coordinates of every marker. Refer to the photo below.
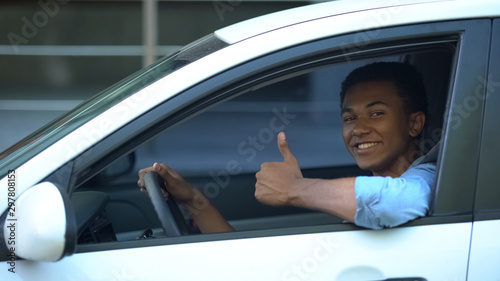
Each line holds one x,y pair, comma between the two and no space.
485,247
431,248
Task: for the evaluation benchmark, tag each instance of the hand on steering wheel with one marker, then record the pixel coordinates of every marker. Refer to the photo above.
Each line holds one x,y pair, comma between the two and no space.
169,214
175,184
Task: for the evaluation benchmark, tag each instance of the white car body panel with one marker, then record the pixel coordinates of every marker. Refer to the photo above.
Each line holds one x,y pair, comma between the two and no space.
484,262
377,255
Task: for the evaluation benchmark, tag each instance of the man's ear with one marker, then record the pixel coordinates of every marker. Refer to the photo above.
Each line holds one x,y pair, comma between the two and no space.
417,122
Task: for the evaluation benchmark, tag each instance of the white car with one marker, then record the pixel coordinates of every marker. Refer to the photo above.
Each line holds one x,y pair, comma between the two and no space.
72,209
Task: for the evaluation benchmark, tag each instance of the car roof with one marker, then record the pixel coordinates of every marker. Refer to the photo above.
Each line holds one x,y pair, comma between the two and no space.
266,23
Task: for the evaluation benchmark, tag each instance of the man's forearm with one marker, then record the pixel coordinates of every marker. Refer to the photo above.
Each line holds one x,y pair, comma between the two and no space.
206,216
335,196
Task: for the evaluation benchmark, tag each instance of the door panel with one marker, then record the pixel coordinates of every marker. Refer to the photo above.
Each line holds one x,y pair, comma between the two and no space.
430,252
351,255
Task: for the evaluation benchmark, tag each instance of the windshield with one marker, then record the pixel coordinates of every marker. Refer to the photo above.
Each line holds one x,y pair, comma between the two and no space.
44,137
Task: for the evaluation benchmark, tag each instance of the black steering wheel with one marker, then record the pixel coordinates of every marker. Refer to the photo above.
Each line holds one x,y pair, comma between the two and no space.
169,214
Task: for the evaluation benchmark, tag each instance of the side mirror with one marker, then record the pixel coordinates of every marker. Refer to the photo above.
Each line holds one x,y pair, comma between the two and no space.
39,226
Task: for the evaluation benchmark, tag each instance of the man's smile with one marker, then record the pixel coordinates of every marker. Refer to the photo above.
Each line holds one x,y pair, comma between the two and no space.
365,145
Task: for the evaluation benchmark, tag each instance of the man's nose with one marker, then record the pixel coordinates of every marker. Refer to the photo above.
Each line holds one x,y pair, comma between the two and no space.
361,127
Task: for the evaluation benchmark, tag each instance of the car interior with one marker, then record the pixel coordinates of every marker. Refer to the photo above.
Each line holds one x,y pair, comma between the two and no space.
220,149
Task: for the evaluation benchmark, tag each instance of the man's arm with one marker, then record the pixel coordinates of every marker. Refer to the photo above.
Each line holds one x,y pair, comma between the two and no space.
336,197
373,202
282,183
206,216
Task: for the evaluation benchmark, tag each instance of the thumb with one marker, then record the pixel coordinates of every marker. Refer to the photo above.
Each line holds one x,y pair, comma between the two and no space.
285,149
162,170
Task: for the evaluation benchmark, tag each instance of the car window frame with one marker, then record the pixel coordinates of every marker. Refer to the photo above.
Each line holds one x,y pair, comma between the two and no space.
222,86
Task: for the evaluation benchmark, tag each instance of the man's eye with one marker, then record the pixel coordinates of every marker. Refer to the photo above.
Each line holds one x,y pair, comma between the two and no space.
376,114
348,119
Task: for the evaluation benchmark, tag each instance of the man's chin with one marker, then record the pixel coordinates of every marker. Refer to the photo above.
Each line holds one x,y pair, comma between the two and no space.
370,166
364,166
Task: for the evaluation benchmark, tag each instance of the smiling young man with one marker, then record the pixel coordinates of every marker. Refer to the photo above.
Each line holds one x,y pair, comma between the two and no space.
383,112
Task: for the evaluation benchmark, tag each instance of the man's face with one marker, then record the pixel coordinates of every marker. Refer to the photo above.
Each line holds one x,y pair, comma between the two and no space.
376,128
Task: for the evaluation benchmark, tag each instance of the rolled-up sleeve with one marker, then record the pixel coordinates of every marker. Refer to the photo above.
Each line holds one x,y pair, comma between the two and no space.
388,202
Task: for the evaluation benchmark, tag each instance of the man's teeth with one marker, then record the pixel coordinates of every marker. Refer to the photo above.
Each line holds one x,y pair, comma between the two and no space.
366,145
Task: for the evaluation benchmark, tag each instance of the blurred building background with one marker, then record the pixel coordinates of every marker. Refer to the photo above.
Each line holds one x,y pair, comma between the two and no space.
56,53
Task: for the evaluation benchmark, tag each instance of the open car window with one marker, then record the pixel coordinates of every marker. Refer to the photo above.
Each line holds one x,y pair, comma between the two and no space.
219,148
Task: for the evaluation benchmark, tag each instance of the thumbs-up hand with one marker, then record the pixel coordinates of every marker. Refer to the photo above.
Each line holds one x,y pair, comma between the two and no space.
278,182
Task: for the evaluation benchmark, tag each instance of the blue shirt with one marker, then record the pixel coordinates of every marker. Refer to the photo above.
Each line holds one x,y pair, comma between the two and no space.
389,202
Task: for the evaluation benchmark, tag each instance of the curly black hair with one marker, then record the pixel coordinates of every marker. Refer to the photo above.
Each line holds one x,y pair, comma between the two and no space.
407,79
